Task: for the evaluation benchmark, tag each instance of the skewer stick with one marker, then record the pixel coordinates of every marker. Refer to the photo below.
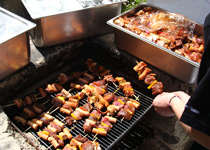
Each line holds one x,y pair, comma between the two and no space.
39,98
122,119
116,90
115,85
95,136
27,129
8,105
50,109
46,101
53,110
36,94
85,135
136,97
95,139
38,138
49,146
72,128
70,90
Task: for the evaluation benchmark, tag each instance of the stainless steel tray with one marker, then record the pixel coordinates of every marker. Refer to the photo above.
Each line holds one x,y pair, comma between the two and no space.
14,44
158,56
71,24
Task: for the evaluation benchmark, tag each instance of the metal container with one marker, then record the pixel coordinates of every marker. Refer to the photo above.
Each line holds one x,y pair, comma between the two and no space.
154,54
14,43
66,24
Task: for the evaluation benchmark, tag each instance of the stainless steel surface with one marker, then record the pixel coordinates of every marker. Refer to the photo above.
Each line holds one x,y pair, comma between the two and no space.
12,25
14,43
162,58
195,10
74,25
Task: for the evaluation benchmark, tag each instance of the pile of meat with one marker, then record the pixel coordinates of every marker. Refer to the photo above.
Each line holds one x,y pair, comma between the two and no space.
170,30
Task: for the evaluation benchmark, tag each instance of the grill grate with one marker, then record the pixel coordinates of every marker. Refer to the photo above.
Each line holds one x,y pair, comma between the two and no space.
119,130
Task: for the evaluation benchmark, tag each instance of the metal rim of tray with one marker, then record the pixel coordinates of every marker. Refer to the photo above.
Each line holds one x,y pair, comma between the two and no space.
35,17
111,23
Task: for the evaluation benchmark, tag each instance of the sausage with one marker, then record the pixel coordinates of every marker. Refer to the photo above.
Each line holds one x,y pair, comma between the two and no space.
29,112
48,116
63,136
105,72
87,75
82,81
38,110
83,112
43,134
74,142
66,93
75,86
99,131
66,131
93,123
68,147
65,111
20,119
53,142
38,122
58,86
72,104
18,103
32,125
111,119
28,100
59,123
42,92
134,103
53,130
73,100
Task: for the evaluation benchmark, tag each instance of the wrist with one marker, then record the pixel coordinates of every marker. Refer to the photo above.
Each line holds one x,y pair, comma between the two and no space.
173,98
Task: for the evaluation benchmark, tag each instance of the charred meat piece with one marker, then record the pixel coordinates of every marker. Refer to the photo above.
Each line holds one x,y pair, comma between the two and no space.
125,114
109,79
39,108
18,103
90,145
105,124
145,72
128,91
74,76
58,101
109,97
87,127
140,66
69,120
150,78
63,78
121,101
157,88
112,109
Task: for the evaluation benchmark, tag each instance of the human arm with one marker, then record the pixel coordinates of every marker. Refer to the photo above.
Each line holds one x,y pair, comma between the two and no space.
177,106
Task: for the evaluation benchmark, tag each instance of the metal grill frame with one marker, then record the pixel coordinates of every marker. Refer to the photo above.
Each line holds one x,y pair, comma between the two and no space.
119,130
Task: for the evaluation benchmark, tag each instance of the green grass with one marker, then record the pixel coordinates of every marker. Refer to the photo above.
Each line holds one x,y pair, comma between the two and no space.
131,3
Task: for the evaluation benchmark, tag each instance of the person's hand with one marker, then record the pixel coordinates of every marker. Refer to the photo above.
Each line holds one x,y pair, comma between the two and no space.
183,96
161,104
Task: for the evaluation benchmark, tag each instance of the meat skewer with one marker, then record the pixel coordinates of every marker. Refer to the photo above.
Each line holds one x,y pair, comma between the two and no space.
148,77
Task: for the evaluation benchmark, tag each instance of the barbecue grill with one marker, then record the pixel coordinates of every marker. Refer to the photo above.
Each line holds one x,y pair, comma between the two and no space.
121,128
